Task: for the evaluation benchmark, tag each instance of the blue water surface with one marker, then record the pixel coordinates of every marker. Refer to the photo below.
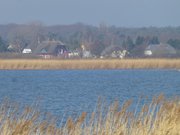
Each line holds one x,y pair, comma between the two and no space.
62,91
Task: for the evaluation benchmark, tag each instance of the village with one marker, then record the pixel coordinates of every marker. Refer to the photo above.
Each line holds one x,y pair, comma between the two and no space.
83,41
57,49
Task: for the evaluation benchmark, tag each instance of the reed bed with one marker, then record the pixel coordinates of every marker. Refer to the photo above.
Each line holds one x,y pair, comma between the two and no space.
90,64
160,117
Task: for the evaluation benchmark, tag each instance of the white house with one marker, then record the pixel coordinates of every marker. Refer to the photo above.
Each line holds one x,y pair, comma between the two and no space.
87,54
148,52
73,54
26,50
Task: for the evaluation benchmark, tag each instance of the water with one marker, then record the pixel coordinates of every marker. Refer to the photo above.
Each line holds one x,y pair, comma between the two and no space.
67,91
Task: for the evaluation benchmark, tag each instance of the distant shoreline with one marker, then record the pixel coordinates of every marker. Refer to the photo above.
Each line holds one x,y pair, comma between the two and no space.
52,64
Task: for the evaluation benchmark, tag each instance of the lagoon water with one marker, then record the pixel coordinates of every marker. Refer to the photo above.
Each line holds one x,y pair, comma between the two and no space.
73,91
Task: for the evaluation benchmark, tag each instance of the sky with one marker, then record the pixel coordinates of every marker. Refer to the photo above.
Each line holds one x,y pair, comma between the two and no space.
121,13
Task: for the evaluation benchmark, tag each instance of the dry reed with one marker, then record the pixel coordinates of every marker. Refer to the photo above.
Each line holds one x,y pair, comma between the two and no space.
90,64
160,117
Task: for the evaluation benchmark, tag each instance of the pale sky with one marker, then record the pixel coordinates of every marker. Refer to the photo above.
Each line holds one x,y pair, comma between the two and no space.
122,13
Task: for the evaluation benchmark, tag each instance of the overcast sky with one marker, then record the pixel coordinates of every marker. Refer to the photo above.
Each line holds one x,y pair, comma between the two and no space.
128,13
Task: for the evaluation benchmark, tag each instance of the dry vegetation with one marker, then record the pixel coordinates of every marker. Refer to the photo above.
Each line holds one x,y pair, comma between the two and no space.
160,117
89,64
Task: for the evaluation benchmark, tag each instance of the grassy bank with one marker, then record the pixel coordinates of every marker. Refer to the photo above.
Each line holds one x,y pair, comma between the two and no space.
160,117
89,64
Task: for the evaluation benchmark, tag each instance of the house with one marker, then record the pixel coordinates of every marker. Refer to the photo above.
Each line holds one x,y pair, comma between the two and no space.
74,54
49,49
148,52
14,48
110,51
114,52
86,53
26,51
159,50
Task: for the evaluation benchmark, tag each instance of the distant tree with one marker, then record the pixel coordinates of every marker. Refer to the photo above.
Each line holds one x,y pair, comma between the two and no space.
174,43
97,47
23,36
103,27
138,51
154,40
52,36
3,47
139,40
75,40
129,43
139,47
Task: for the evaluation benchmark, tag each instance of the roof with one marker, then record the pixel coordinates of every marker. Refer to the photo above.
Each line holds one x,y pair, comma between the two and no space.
49,47
110,49
161,49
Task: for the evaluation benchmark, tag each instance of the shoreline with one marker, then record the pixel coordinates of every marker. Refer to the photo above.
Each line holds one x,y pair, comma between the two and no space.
59,64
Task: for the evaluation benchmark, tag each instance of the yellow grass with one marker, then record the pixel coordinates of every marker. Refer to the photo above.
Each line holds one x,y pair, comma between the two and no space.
160,117
89,64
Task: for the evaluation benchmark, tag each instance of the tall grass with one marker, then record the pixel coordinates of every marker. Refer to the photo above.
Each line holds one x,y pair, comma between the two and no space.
89,64
160,117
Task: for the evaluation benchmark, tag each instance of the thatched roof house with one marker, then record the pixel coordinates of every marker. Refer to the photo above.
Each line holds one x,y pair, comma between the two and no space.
50,48
160,50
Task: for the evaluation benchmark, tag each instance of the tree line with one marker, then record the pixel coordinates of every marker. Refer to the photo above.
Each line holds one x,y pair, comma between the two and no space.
95,38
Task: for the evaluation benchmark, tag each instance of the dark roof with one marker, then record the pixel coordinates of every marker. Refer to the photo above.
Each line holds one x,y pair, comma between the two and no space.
50,47
161,49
